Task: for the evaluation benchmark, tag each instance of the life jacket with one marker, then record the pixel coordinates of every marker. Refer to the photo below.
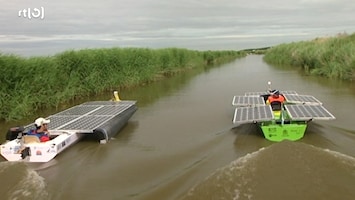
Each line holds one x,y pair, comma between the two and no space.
276,102
280,99
44,138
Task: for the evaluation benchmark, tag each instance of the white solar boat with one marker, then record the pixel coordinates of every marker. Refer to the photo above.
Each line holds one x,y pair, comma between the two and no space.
104,119
289,123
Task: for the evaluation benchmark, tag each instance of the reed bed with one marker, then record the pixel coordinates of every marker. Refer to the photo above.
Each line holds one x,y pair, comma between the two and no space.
30,84
332,57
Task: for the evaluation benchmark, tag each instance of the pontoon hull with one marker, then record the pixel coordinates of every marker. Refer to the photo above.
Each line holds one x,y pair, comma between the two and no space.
112,127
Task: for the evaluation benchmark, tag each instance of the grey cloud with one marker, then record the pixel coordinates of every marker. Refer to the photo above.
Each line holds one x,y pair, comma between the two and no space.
196,24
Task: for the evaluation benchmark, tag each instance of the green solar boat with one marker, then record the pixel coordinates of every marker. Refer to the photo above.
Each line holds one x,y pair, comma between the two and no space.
288,122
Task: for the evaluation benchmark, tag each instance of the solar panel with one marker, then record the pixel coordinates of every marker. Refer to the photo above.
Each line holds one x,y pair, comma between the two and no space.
288,92
248,101
86,117
58,121
266,93
302,99
307,112
86,124
112,103
258,94
110,110
78,110
253,114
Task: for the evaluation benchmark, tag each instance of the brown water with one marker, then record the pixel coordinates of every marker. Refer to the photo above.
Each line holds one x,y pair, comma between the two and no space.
180,144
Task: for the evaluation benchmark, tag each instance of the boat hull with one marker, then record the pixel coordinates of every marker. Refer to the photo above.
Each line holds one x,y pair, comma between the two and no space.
17,150
278,132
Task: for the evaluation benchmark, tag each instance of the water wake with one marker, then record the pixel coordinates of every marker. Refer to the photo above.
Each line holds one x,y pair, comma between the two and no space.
285,170
21,182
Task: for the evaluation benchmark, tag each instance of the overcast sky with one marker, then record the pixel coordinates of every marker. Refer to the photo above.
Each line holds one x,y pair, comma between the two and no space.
59,25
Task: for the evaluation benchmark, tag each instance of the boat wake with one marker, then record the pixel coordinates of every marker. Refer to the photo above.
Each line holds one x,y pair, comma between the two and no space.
21,182
285,170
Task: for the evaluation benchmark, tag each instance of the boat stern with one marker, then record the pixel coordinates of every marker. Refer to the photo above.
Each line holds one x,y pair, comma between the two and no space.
287,131
33,152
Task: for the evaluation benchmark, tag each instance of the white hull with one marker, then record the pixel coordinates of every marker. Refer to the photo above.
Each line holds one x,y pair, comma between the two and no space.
38,151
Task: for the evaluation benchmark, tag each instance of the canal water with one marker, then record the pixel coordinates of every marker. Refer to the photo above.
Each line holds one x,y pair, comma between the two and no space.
181,144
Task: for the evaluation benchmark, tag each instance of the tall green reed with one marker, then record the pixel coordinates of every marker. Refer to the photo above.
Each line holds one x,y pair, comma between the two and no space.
30,84
332,57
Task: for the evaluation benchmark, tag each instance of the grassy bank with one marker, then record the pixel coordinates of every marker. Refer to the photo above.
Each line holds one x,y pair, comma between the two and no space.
332,57
29,84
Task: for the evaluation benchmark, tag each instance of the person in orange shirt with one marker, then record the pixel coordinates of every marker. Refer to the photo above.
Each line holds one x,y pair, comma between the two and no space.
275,100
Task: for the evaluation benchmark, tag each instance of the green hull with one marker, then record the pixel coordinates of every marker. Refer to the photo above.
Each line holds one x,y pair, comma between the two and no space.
277,132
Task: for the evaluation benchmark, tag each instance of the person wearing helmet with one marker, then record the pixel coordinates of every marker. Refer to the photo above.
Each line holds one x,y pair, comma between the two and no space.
41,130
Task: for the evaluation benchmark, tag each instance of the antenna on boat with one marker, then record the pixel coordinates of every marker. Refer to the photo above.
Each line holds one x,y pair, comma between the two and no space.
115,96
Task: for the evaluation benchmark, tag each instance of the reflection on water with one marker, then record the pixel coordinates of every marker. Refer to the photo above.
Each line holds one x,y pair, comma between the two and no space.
286,170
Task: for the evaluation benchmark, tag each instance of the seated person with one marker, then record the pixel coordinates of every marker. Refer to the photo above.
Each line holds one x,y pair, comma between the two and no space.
41,130
275,100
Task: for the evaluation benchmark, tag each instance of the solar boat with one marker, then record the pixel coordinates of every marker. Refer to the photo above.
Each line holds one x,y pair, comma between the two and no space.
288,123
103,119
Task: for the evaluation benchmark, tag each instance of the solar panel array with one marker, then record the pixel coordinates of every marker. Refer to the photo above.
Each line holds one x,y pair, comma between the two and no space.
307,112
253,114
248,101
302,99
266,93
86,117
252,108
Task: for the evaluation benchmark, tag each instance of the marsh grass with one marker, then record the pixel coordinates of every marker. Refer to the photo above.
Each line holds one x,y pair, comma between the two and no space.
30,84
332,57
